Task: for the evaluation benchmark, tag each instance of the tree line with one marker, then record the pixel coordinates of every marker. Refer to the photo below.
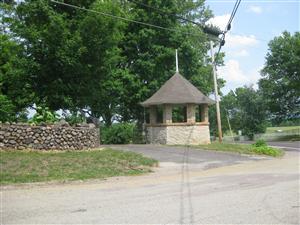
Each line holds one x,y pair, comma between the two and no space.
276,101
58,57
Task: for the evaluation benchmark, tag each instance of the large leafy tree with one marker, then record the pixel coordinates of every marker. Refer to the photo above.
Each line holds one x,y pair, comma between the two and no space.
53,46
246,110
79,60
281,77
150,52
75,54
15,88
101,36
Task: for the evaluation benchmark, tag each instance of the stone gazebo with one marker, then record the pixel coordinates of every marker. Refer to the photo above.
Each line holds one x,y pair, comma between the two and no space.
177,114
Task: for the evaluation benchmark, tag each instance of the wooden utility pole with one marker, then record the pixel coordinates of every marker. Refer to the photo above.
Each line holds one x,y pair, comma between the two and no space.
216,93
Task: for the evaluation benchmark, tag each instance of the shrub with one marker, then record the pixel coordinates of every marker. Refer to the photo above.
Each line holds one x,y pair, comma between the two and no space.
261,147
138,136
74,118
266,150
44,115
118,133
260,143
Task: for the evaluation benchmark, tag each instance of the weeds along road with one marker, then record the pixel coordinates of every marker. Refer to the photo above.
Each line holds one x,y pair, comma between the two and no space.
254,192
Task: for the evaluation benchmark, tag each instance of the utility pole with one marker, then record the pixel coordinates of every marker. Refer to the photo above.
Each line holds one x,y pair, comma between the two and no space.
216,93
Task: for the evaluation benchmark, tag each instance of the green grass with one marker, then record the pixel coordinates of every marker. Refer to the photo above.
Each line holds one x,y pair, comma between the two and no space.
294,137
271,130
34,166
274,129
243,149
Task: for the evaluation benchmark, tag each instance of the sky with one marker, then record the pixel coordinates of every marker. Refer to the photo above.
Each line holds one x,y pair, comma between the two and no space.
254,25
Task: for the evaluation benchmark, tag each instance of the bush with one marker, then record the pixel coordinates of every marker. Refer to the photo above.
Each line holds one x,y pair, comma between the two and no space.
74,118
44,115
266,150
260,143
138,136
118,133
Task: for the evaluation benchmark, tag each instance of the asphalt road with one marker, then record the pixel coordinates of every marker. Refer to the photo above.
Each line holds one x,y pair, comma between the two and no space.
190,186
196,157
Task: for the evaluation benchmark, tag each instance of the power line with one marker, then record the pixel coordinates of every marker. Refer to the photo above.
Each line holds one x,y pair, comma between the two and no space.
228,26
236,6
206,29
165,13
122,18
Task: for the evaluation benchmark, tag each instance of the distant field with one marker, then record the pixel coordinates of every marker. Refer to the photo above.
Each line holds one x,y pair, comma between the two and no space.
283,129
294,129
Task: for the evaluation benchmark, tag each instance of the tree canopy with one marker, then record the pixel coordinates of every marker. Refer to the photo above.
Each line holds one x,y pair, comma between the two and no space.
65,58
281,77
246,110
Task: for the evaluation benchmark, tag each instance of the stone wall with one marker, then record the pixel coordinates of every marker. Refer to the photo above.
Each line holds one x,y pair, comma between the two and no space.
157,135
182,134
57,136
188,135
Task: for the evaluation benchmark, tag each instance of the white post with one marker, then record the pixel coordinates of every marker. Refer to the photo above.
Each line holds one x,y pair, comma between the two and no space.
177,70
216,93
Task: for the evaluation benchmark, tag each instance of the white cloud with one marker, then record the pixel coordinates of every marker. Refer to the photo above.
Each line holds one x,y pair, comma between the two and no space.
219,21
240,53
232,40
236,47
255,9
235,41
236,77
232,72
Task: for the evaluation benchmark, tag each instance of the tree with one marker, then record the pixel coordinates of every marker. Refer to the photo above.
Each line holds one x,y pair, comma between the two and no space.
246,110
83,61
52,45
15,90
101,60
281,77
75,54
150,52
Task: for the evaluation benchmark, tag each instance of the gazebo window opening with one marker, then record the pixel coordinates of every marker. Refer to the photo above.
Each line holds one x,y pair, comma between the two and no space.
179,114
198,111
159,114
147,115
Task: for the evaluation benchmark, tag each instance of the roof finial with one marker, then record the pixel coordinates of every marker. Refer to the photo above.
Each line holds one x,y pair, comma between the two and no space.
177,70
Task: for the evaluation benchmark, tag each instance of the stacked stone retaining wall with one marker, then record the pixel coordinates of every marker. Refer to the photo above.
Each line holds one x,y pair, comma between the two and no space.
56,137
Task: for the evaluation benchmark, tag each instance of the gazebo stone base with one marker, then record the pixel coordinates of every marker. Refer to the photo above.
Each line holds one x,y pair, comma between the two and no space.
178,134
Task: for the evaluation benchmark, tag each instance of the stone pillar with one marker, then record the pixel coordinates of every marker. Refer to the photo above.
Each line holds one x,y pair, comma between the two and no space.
204,113
167,118
152,114
190,113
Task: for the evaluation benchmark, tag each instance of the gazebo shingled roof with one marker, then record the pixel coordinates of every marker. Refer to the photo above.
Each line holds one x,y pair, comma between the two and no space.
177,90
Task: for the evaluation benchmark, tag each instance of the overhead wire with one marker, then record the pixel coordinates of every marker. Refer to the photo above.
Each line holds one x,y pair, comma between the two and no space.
164,12
228,27
203,26
121,18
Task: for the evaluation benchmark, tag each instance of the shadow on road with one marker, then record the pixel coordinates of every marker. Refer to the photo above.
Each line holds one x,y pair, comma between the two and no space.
186,186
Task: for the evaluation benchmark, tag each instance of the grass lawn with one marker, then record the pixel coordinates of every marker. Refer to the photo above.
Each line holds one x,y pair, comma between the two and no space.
274,129
34,166
243,149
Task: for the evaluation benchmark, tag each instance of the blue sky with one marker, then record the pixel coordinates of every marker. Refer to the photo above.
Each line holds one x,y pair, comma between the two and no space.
255,24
